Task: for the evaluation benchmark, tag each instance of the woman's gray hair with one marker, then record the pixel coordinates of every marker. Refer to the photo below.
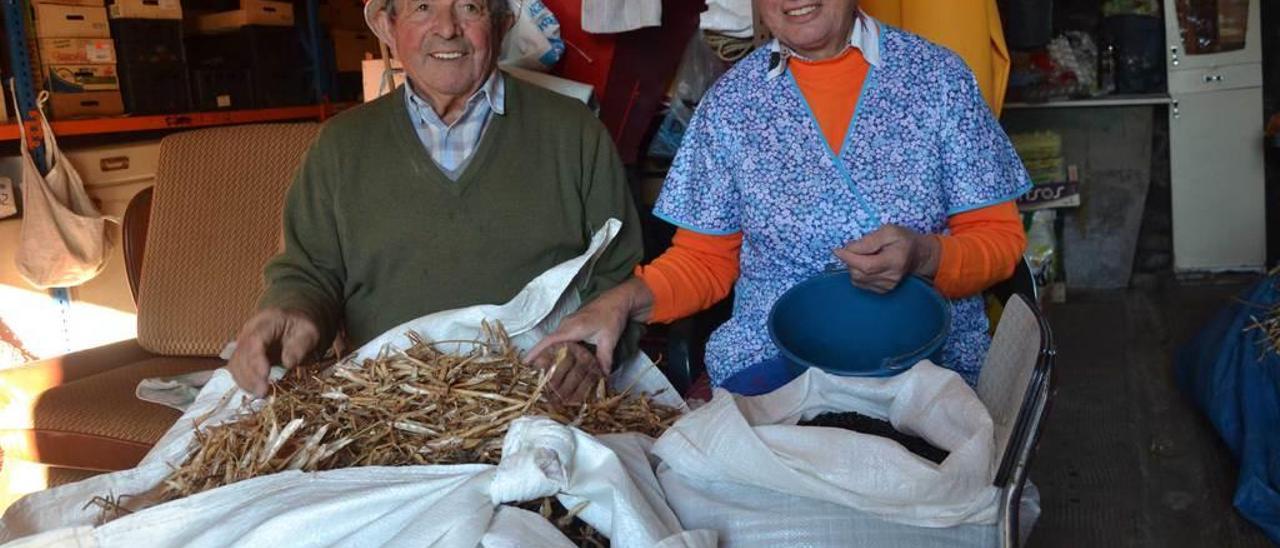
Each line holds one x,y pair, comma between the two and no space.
498,9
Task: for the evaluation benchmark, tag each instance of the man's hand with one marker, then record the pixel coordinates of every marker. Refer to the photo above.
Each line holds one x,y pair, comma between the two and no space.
271,335
577,372
601,322
880,260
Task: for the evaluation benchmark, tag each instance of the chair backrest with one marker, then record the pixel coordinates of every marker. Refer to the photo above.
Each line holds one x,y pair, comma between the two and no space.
1014,374
1022,282
136,220
215,220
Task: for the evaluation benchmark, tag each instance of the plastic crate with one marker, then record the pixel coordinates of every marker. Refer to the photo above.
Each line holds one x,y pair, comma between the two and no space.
221,89
148,41
282,88
270,58
155,88
256,48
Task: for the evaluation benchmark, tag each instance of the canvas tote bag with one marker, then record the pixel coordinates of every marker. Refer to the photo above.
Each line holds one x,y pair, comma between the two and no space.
63,241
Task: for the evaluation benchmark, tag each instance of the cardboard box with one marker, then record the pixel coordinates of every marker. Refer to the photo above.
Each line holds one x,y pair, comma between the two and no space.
4,103
350,47
375,77
1050,195
251,12
343,15
1053,195
77,51
91,104
59,21
8,197
145,9
82,78
564,86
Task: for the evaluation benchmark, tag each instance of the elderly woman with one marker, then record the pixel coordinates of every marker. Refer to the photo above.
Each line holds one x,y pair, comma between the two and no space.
843,142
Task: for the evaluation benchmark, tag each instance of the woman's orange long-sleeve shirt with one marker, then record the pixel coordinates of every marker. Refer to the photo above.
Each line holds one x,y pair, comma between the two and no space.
699,269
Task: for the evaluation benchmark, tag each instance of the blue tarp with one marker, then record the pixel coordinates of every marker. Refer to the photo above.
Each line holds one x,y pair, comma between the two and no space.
1233,375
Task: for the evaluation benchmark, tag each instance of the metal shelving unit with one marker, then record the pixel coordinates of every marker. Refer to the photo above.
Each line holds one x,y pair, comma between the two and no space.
15,29
127,124
1104,101
15,17
15,14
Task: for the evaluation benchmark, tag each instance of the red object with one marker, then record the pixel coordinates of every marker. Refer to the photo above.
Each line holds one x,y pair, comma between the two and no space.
587,57
631,71
700,389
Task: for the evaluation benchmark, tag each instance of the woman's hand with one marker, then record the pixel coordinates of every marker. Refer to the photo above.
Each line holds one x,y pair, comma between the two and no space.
600,323
880,260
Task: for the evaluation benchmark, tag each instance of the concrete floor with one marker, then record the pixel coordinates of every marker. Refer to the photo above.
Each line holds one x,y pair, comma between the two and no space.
1125,460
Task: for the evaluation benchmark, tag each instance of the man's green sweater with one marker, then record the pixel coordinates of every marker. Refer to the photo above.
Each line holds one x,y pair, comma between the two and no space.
376,235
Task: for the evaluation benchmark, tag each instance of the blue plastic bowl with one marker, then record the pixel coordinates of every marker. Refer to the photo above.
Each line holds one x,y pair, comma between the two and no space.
763,377
827,323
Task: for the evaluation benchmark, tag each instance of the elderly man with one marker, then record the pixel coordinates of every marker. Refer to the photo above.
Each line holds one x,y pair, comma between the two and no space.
456,189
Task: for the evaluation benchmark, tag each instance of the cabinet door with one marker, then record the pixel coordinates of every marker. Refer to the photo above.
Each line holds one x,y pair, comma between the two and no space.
1211,33
1216,163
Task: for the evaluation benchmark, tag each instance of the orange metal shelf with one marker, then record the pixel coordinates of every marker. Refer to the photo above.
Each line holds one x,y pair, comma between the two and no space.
124,124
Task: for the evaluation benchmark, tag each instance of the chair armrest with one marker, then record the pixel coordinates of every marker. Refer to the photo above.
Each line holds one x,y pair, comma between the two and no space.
687,343
36,377
679,364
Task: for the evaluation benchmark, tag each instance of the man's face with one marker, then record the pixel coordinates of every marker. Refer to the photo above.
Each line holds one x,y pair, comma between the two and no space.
816,29
448,47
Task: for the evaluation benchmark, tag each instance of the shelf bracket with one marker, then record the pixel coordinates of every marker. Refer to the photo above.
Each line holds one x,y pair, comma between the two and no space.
15,16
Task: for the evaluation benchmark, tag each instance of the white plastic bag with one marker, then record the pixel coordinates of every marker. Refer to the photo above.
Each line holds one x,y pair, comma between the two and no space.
534,43
443,506
63,241
447,506
753,441
730,17
613,16
747,516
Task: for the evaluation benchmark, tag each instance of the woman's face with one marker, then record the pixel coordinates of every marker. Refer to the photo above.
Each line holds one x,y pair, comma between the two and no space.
816,29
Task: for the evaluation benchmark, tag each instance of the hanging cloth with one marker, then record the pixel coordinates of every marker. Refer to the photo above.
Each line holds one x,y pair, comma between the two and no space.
971,28
64,240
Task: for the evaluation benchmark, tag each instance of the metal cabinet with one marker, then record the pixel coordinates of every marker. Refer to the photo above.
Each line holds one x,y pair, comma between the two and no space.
1216,135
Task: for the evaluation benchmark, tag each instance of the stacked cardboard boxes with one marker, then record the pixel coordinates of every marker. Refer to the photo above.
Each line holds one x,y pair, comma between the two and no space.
353,42
1057,184
266,13
77,58
342,14
152,57
350,49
